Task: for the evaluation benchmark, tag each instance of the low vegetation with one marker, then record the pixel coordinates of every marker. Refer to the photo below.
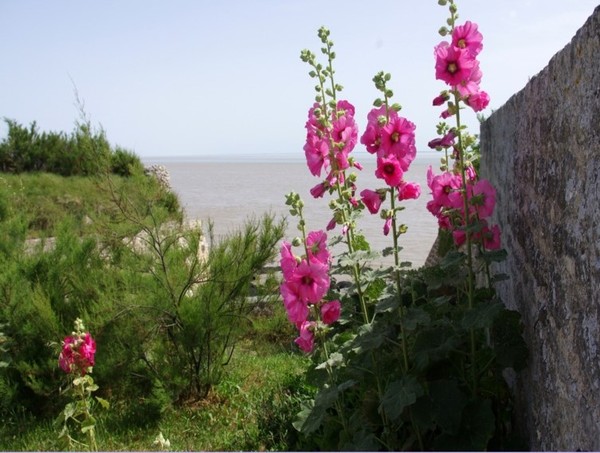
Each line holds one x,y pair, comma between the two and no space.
192,342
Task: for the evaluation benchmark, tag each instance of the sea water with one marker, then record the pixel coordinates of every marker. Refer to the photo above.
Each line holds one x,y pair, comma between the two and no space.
228,190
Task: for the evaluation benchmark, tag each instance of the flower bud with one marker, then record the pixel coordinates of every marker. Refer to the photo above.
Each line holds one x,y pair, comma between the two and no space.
296,242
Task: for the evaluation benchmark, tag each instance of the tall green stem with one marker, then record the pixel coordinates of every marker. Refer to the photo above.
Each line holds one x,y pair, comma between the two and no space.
467,226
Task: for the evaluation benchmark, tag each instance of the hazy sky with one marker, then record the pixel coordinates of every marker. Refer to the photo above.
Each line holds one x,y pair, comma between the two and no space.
184,77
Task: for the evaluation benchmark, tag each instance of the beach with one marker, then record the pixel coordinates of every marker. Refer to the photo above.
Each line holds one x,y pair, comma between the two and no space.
228,191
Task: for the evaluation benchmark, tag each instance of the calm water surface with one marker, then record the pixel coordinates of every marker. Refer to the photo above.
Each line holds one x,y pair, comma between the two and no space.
231,192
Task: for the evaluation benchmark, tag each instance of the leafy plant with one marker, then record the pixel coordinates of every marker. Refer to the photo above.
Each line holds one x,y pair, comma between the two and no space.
416,359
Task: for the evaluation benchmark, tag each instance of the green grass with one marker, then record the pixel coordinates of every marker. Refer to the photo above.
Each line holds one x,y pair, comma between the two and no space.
251,409
48,199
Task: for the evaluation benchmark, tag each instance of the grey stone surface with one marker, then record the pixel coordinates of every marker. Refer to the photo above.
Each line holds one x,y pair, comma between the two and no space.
542,152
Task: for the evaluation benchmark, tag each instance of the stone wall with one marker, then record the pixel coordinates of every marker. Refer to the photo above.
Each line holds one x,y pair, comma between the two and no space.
542,152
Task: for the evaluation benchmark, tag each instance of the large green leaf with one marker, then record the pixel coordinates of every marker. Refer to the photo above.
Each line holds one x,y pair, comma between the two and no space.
477,428
482,315
447,404
399,395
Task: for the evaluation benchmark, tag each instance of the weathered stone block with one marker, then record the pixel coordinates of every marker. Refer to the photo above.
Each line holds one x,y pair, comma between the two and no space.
542,152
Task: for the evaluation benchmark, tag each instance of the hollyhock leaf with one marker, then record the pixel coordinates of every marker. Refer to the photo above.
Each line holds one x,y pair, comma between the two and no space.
494,256
399,395
448,402
387,305
414,317
105,404
481,316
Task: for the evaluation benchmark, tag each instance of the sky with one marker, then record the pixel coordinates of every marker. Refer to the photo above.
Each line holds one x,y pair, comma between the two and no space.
206,77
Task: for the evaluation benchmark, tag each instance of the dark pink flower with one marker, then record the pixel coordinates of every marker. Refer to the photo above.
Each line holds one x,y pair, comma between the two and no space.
319,190
445,114
491,238
387,226
306,340
346,107
297,310
468,37
478,101
312,279
288,261
443,142
483,198
330,311
316,151
77,354
345,133
389,169
372,200
439,100
408,191
331,225
453,64
316,243
371,138
397,136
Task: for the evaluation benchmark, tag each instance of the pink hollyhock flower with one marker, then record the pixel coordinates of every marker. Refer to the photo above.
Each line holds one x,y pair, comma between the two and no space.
372,200
442,186
330,311
439,100
312,280
346,107
389,169
77,354
453,64
387,226
471,173
288,261
313,125
371,138
316,151
331,225
297,310
316,243
483,198
445,114
357,165
397,136
306,340
443,142
319,190
491,238
87,350
409,191
459,237
470,85
345,131
478,101
468,37
378,116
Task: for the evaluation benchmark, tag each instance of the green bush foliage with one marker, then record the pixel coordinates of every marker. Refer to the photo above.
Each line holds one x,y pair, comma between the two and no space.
84,152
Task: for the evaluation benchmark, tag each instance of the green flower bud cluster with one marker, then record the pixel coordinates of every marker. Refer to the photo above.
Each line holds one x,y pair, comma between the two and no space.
451,21
326,87
380,79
